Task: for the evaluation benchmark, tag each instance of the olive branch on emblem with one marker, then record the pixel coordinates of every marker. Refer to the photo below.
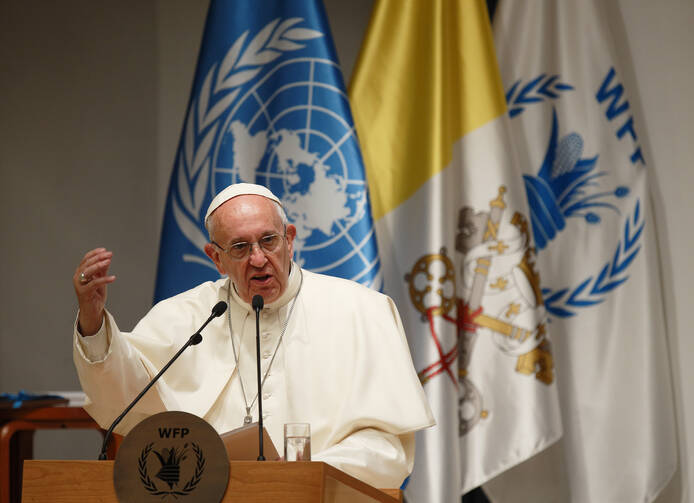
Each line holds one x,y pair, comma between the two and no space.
220,88
199,468
565,302
541,88
189,486
142,469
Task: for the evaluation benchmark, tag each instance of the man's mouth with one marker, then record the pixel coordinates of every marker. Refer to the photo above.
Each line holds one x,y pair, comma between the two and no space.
261,278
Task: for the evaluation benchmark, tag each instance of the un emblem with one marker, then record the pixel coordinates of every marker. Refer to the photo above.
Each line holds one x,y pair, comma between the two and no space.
292,139
283,122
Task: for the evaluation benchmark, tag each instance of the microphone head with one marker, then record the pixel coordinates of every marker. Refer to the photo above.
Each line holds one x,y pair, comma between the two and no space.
219,308
258,302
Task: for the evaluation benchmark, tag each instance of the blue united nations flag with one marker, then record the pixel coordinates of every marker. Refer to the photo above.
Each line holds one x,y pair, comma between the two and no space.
269,106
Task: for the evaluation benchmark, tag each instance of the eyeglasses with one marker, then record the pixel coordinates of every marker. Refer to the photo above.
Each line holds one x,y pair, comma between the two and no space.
242,249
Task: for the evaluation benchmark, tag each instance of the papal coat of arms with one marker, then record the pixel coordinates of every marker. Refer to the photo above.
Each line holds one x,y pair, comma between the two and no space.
496,294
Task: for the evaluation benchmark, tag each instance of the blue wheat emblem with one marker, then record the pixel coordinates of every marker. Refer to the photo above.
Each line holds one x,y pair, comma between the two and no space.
560,190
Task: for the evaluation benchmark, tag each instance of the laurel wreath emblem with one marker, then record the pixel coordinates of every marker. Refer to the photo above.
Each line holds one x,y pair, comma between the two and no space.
221,87
541,88
564,302
190,486
142,469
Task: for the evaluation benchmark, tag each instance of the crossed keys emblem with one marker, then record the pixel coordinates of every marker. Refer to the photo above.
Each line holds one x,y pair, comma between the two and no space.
433,291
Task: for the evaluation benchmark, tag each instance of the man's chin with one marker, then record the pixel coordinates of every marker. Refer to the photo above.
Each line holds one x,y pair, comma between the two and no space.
269,293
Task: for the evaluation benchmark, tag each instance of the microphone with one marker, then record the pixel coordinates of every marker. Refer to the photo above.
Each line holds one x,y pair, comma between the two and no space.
194,339
218,310
257,304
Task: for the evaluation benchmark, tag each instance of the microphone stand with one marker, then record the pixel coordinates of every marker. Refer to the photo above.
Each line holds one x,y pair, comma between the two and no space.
257,306
194,339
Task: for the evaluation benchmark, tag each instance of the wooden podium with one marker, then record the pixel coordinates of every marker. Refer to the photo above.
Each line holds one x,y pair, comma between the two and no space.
249,481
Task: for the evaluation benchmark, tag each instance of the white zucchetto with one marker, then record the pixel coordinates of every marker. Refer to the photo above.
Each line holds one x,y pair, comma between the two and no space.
239,189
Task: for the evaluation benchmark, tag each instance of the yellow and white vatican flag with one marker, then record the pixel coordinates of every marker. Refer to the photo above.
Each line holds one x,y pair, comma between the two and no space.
455,241
580,150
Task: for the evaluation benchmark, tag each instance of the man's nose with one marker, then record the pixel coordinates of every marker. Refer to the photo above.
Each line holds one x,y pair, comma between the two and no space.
257,256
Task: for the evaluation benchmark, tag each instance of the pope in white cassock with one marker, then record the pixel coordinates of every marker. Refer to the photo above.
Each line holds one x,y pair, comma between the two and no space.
333,352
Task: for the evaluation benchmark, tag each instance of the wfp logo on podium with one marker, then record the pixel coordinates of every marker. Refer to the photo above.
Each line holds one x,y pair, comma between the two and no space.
271,108
161,462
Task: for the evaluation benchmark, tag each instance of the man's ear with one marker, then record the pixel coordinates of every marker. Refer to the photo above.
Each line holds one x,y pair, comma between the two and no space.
213,252
291,234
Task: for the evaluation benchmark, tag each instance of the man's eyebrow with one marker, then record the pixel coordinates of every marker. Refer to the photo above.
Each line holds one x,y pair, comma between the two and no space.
263,235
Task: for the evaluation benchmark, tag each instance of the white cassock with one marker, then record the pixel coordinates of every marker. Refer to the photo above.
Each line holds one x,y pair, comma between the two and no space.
343,365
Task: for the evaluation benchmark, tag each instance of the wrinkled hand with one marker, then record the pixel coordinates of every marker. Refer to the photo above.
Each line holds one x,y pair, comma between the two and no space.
91,295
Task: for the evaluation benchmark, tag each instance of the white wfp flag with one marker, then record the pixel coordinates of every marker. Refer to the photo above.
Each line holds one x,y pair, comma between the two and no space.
455,242
589,201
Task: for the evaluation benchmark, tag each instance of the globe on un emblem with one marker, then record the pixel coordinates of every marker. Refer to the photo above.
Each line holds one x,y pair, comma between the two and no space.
292,132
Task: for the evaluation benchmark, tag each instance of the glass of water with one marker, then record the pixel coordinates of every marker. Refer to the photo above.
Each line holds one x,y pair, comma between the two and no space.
297,442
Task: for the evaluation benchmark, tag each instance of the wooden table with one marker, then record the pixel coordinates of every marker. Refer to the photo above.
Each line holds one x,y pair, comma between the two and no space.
17,427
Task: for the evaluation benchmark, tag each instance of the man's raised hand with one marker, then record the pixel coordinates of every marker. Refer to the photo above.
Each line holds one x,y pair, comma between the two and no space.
90,280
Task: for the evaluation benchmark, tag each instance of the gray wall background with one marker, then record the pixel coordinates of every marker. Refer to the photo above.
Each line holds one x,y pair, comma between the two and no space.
92,99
